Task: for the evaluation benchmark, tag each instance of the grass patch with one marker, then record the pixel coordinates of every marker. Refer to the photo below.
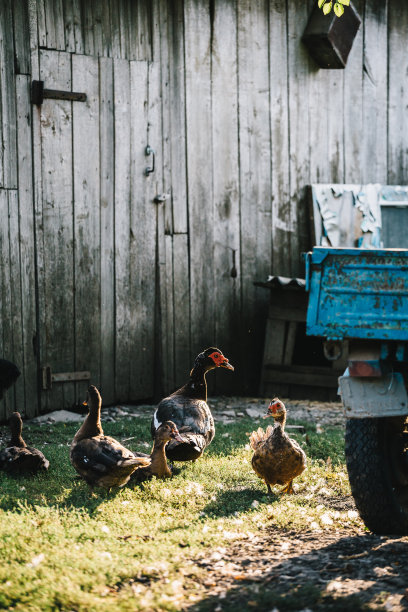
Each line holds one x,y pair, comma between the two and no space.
63,548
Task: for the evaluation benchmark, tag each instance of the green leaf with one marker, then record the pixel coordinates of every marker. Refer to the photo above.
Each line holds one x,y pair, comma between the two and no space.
327,8
345,2
320,3
338,9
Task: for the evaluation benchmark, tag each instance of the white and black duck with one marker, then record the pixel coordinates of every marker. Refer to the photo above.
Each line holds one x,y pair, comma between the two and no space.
188,409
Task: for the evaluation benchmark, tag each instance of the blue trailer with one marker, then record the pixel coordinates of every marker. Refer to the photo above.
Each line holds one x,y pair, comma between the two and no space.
360,297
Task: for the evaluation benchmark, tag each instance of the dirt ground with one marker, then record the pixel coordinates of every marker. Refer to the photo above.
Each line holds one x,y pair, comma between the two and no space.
352,568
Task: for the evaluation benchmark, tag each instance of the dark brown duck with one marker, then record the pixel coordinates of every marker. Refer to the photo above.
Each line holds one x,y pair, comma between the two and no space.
18,458
101,460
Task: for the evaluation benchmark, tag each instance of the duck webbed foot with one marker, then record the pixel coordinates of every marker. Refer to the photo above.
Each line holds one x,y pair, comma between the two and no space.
288,488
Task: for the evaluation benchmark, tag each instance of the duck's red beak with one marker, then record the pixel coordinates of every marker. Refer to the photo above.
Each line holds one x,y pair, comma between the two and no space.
226,364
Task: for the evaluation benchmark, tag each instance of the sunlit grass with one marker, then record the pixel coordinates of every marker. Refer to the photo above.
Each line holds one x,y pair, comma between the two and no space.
64,548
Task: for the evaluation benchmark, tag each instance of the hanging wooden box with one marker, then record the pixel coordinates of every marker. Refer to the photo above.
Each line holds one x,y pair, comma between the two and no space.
329,38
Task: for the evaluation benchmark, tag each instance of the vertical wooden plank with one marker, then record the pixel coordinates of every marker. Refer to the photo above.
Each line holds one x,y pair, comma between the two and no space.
8,97
199,171
255,180
107,231
27,246
124,29
125,309
6,332
54,19
78,26
144,223
167,314
87,27
183,353
115,28
174,184
226,186
397,94
42,26
106,29
282,225
353,106
375,92
87,252
15,297
69,25
54,228
144,26
97,22
175,127
21,37
298,67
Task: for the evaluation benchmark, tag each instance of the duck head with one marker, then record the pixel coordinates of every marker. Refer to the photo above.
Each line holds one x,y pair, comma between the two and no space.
166,432
212,358
276,409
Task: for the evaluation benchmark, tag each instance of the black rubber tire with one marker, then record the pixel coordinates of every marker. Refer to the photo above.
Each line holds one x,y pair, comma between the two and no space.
378,485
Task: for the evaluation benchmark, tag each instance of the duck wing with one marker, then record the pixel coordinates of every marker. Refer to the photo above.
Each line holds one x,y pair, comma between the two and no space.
27,460
103,461
194,422
277,458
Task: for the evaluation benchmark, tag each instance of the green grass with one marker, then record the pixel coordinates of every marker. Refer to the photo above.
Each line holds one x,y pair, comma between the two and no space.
63,548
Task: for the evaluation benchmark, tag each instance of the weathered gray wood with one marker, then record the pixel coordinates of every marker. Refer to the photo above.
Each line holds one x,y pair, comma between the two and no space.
8,177
69,25
97,24
199,171
125,309
27,246
398,94
107,231
42,26
87,261
282,224
87,28
353,104
115,28
6,332
124,29
145,87
54,228
21,36
255,178
54,20
226,187
142,27
15,297
375,93
298,84
183,353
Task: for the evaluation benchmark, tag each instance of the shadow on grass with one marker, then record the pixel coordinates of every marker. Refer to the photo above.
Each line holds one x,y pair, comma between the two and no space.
228,503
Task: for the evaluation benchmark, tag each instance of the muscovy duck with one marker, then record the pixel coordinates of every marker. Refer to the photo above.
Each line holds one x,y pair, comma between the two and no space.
188,409
158,466
18,458
277,458
101,460
9,373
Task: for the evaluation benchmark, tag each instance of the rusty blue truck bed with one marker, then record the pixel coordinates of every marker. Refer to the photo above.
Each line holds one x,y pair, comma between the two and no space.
357,293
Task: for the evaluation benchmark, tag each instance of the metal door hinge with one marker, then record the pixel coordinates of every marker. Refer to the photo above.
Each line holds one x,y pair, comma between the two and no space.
47,377
38,93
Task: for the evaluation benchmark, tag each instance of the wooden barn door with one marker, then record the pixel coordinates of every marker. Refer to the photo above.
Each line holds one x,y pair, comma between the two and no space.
95,230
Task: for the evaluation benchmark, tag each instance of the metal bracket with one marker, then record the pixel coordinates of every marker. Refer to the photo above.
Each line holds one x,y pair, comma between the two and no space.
48,377
38,93
150,151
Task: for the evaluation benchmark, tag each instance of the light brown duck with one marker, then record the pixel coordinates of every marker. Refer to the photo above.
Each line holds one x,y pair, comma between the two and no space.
277,458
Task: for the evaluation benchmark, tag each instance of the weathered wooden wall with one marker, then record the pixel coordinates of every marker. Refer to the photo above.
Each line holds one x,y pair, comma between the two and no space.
93,274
